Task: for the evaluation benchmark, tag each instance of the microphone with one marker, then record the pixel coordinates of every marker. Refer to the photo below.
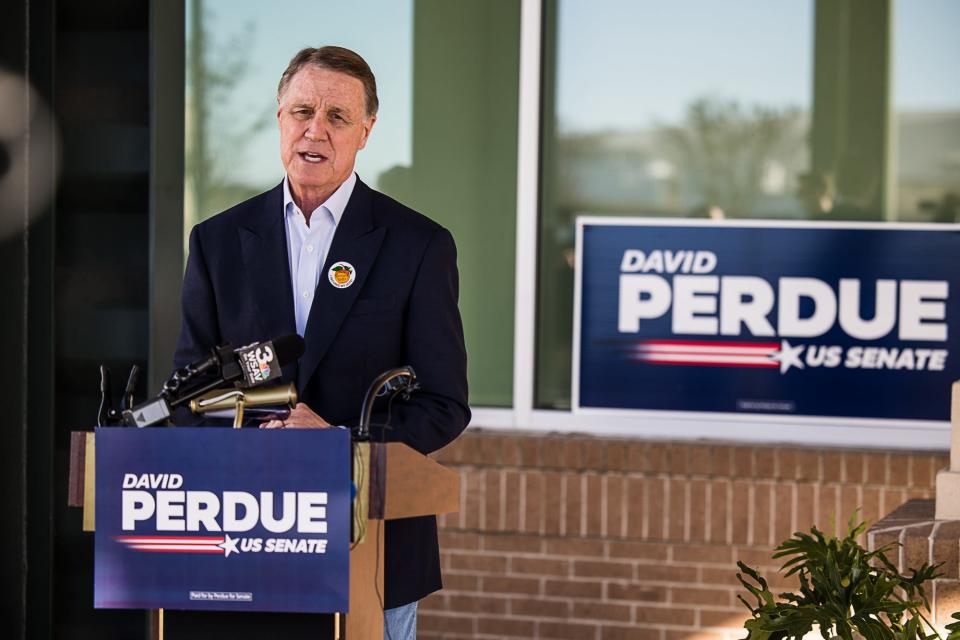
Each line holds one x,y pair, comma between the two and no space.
248,366
106,400
221,403
402,380
127,401
256,360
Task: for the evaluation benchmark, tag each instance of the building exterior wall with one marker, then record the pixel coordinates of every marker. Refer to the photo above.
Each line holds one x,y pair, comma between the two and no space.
587,537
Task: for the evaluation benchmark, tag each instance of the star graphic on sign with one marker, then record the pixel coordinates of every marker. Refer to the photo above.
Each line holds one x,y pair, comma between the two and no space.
229,545
788,356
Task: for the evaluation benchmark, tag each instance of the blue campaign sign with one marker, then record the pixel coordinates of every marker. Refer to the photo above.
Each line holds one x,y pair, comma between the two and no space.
821,320
222,519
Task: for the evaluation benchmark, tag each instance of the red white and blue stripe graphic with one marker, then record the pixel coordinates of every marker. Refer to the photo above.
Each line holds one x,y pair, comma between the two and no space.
173,544
706,353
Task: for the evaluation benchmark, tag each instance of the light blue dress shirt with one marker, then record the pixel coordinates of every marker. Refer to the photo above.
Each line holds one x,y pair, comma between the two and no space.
307,246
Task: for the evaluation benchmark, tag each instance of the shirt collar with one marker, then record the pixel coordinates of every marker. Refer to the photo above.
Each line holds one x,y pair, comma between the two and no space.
336,204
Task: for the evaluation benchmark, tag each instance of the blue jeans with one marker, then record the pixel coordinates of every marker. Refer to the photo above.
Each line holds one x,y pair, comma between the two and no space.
400,623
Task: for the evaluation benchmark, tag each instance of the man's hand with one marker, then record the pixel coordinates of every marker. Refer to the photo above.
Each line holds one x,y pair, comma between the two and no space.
301,417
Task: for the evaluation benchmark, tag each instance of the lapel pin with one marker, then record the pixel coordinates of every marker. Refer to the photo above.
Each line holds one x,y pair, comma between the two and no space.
341,275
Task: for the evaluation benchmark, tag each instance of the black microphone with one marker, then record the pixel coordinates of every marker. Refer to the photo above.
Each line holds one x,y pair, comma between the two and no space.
248,366
262,361
127,400
218,359
106,399
402,380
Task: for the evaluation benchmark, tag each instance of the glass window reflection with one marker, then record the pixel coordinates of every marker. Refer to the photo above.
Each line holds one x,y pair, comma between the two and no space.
445,141
812,110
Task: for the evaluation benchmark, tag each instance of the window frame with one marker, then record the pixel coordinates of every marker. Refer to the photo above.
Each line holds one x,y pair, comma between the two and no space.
523,416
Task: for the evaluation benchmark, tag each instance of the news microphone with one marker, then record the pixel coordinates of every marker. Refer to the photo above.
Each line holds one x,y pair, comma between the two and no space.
217,361
247,366
256,361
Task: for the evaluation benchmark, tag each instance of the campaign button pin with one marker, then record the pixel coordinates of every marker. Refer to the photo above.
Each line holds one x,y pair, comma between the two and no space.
341,275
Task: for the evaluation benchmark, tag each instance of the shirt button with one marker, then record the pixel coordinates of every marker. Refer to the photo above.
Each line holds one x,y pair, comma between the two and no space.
306,294
310,248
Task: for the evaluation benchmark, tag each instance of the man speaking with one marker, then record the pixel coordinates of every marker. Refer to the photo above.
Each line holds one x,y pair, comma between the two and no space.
370,285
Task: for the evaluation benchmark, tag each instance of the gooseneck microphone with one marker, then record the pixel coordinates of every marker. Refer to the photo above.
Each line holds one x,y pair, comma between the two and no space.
401,380
106,412
247,366
127,400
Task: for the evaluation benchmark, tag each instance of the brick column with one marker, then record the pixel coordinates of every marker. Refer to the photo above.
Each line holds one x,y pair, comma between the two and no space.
924,538
948,480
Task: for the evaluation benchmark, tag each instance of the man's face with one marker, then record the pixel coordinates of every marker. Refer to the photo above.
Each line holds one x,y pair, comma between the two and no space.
323,123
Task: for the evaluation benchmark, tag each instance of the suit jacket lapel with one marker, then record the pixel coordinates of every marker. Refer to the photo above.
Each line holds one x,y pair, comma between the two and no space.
357,242
263,247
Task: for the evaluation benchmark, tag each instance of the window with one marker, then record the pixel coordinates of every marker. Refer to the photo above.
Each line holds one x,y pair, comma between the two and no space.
664,109
444,143
927,108
818,110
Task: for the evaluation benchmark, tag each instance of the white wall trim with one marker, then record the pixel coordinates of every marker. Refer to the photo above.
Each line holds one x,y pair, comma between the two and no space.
528,180
926,437
485,417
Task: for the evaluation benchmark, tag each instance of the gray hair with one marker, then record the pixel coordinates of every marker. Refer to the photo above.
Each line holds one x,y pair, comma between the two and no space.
335,59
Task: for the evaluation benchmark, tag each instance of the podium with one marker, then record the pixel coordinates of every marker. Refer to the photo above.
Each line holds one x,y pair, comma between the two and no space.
392,481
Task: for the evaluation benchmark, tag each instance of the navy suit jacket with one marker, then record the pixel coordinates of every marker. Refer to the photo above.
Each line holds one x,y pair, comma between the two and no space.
401,309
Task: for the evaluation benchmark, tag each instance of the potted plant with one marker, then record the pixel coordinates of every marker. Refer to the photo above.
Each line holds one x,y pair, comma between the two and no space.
844,590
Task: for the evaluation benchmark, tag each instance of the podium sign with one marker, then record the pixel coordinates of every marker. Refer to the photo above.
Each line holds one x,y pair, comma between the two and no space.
223,519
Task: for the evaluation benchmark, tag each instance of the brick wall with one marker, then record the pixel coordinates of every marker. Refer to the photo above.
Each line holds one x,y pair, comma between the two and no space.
602,538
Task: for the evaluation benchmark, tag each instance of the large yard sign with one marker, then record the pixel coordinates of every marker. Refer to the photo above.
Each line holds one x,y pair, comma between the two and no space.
840,321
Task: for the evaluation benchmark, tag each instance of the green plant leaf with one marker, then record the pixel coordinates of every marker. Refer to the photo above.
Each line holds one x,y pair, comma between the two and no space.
842,588
954,628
